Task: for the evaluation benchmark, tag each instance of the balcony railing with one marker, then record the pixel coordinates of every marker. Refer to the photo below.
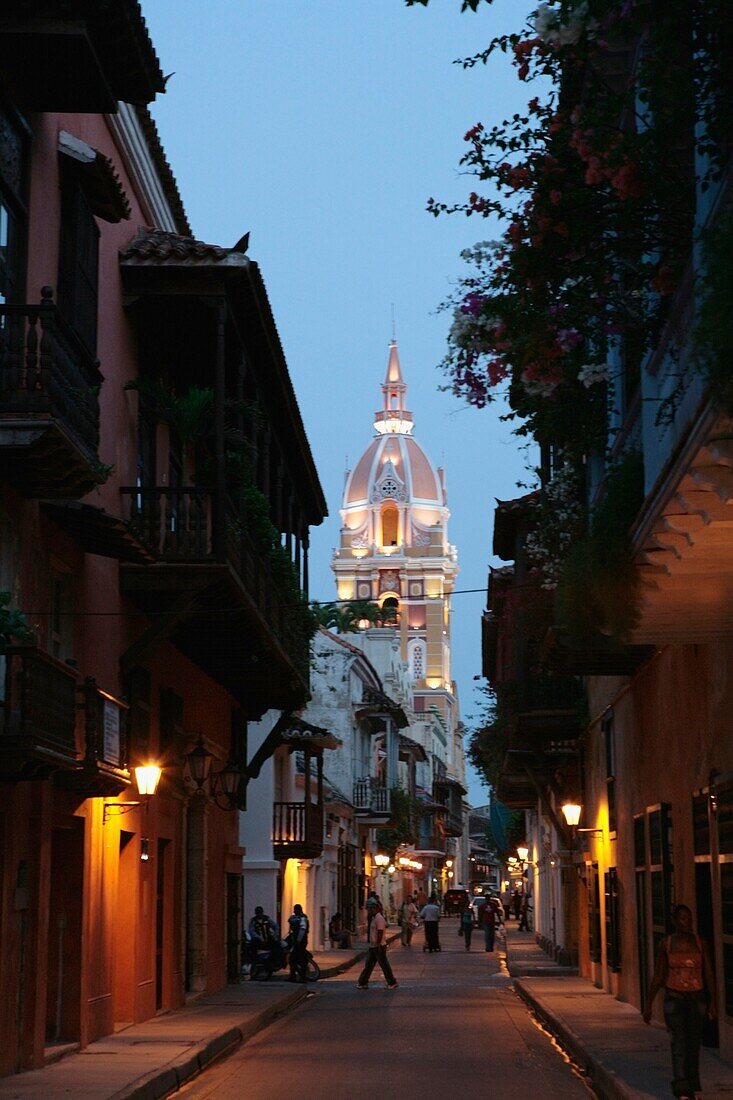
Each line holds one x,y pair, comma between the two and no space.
179,526
372,797
49,402
38,716
435,842
297,830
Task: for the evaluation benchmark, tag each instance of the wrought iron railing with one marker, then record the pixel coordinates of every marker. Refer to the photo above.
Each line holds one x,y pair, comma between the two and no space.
47,372
371,795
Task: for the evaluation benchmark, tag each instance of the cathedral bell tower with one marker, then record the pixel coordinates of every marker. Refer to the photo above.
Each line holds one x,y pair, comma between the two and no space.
394,547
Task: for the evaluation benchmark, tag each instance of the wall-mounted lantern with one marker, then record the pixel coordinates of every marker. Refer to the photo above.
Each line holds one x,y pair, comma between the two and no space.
147,777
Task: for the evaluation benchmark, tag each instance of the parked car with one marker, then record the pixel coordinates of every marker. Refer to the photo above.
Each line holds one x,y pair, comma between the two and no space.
455,901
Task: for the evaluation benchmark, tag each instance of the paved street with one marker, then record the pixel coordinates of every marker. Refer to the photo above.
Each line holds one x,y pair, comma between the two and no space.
455,1024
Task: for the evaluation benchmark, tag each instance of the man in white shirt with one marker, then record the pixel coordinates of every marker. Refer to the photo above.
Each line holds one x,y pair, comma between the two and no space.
430,915
377,952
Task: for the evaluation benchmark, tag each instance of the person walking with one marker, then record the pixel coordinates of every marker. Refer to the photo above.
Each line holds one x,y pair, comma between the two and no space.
516,904
488,920
506,901
377,951
466,926
299,928
430,915
683,969
409,919
524,914
371,907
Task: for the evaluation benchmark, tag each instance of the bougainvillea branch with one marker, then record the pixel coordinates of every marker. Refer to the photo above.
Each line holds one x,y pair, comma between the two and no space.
593,186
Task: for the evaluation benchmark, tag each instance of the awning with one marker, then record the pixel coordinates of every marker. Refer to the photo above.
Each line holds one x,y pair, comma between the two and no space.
97,178
97,532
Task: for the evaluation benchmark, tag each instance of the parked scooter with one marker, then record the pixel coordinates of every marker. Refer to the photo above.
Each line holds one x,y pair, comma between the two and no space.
261,961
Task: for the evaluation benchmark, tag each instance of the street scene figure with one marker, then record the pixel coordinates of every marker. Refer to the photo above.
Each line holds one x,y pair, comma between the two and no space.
338,935
298,936
262,929
466,927
410,920
377,951
524,910
430,916
488,921
683,969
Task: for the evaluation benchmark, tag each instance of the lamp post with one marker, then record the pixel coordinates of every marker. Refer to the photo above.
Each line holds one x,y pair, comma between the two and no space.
221,787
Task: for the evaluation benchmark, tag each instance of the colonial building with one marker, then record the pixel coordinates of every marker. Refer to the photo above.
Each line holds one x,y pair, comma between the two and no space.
156,490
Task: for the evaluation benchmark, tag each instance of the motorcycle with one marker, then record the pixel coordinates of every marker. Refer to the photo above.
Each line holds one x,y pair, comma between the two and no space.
261,960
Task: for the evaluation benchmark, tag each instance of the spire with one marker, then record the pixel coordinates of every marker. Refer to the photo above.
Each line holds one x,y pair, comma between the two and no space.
393,417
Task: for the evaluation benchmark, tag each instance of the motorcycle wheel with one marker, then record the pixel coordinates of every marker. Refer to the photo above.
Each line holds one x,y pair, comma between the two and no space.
313,970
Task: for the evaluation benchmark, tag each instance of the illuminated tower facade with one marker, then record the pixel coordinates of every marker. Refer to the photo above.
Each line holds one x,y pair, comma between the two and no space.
394,549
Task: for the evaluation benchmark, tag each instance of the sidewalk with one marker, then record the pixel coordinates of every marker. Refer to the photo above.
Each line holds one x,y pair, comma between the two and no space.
606,1038
150,1060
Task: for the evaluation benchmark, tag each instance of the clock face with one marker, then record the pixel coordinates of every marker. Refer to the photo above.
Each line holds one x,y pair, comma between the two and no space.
389,487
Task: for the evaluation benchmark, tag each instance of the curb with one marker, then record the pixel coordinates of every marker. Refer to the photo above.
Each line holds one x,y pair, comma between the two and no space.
162,1082
607,1084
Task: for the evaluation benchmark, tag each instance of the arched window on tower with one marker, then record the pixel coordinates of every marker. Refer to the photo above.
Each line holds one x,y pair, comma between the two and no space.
390,524
416,658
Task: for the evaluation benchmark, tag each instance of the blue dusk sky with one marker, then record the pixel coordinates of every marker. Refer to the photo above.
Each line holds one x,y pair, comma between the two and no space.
322,127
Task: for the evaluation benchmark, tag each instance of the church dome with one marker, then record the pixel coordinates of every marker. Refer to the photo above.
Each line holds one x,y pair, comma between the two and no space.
394,465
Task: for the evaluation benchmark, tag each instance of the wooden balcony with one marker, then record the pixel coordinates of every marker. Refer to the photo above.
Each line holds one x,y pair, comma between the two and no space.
297,830
372,802
49,404
434,844
103,770
38,716
211,592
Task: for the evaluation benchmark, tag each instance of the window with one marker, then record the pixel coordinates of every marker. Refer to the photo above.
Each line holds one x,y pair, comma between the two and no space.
61,626
607,727
613,924
78,261
171,717
417,660
137,689
13,171
655,879
594,913
390,525
723,794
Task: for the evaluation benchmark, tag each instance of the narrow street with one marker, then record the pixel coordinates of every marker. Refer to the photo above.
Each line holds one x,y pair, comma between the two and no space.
454,1025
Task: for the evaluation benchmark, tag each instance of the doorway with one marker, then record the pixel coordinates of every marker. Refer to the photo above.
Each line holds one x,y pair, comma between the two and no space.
126,962
234,901
160,923
63,997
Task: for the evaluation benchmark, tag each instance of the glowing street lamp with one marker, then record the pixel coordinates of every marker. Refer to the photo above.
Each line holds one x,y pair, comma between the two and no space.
523,852
571,813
